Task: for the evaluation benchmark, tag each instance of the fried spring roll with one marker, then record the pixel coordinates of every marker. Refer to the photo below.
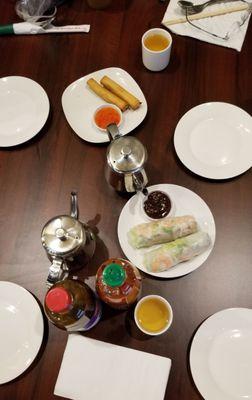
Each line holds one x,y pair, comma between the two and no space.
106,94
162,231
170,254
120,92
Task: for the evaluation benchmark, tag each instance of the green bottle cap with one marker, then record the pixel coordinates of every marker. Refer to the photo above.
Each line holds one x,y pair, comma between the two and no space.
113,275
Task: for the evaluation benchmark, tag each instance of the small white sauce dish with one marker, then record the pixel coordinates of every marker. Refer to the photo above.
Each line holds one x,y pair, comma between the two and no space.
108,105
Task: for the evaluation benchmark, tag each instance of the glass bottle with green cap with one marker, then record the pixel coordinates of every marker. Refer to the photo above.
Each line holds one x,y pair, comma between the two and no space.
118,283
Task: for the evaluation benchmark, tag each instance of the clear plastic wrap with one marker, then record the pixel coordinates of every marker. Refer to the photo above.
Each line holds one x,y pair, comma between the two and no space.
33,10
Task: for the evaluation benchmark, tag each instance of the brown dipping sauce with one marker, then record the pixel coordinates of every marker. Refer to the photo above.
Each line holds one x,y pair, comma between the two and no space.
157,205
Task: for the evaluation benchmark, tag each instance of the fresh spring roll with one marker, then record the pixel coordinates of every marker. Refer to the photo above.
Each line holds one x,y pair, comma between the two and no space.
119,91
106,94
162,231
170,254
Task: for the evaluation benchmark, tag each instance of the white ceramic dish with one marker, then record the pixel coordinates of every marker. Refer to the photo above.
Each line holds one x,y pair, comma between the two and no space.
21,331
102,107
214,140
24,109
186,203
79,104
170,214
221,355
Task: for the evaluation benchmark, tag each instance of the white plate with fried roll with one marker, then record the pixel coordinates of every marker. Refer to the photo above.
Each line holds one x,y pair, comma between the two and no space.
172,246
82,97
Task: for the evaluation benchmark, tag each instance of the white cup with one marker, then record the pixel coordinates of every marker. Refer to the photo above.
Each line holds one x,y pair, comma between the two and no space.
156,60
168,308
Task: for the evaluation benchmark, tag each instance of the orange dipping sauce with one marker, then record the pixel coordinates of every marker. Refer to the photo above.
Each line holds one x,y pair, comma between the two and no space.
105,116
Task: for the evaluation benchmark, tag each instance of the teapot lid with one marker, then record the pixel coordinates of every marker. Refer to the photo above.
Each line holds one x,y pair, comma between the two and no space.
62,235
126,154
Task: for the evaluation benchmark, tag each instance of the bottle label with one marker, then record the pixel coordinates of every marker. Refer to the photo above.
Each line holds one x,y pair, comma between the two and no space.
85,323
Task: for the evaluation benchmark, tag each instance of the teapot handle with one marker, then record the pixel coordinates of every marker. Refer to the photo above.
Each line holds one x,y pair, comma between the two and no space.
74,212
57,272
139,181
113,131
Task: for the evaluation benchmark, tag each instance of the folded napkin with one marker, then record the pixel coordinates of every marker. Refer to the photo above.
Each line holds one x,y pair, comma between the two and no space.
94,370
231,24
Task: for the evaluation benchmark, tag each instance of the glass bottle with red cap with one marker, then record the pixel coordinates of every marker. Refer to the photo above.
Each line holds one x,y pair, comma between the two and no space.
118,283
72,305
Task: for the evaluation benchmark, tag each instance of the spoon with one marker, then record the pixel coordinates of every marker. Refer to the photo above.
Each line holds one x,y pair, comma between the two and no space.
191,8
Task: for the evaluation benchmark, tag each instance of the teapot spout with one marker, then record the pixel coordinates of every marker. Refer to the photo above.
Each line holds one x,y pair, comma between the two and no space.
74,212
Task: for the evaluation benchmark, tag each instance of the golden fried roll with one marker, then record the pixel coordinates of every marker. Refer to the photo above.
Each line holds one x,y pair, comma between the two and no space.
120,92
106,94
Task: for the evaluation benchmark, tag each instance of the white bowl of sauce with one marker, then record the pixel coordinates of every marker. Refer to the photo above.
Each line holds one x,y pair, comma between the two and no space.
105,115
157,205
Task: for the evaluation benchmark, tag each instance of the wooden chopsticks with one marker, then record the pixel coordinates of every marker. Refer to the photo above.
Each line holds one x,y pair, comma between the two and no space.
205,14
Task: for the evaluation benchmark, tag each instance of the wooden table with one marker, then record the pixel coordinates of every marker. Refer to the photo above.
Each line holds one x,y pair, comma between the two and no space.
36,179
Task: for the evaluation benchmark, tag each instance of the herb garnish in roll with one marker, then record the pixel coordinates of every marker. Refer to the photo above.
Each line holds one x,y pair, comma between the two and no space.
119,91
170,254
106,94
163,231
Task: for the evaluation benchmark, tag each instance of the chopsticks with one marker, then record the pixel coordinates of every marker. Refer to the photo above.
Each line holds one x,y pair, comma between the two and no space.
205,14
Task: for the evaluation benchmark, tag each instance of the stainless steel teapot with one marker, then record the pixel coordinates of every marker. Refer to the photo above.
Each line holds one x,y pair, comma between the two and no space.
69,244
126,157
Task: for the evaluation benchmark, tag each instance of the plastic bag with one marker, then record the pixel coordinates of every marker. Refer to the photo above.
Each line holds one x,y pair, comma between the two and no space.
32,10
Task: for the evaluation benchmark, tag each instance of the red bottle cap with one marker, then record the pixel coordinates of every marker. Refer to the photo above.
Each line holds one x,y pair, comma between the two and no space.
58,299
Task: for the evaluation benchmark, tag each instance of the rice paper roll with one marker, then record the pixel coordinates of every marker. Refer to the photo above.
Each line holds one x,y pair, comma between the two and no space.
162,231
182,249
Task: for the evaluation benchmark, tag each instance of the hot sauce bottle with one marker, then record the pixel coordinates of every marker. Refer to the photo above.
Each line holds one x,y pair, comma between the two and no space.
118,283
72,305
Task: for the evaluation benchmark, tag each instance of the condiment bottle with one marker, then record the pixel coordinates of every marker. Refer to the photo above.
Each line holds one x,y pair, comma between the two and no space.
72,305
118,283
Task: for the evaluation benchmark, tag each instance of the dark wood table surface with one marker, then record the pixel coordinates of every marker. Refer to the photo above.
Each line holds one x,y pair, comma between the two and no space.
36,179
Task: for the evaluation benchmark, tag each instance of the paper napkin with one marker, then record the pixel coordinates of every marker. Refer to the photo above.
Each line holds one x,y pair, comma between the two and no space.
95,370
220,25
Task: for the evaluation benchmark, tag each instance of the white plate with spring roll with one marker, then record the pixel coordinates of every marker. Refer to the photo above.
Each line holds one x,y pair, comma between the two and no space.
213,140
191,234
79,103
221,355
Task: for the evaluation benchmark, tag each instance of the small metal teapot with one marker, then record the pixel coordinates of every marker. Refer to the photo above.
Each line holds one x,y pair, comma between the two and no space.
69,244
126,157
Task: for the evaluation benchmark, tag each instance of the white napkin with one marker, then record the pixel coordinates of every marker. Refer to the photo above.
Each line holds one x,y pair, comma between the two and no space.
94,370
220,25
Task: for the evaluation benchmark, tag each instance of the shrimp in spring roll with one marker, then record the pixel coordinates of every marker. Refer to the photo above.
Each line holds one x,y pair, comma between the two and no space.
119,91
106,94
162,231
170,254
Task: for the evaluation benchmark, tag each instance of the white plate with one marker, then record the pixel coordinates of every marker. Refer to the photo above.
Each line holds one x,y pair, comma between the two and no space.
24,108
21,330
221,356
214,140
185,202
79,104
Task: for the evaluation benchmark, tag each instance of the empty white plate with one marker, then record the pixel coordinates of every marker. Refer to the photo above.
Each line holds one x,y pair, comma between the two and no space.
24,108
221,355
185,202
79,104
214,140
21,330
